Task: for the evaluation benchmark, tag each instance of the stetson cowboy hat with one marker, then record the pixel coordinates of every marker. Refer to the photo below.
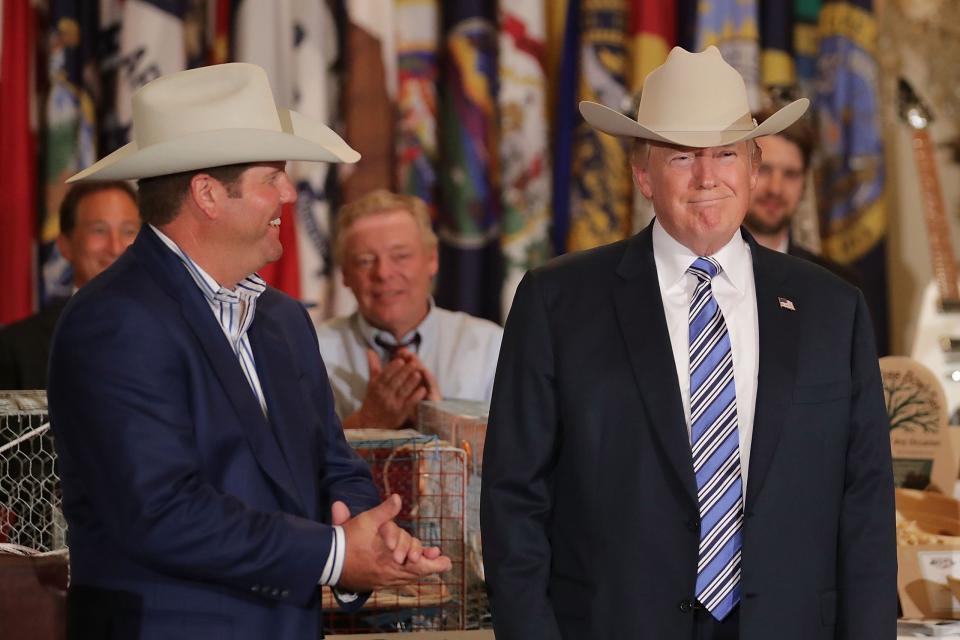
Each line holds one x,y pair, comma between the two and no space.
210,117
693,100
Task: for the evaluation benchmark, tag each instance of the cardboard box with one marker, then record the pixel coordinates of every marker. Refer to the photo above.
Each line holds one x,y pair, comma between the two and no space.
928,554
919,437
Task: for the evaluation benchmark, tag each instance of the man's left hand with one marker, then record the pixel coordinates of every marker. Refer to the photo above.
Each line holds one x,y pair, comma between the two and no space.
429,381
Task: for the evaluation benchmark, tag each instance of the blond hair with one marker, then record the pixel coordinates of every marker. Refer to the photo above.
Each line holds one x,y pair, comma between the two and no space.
379,202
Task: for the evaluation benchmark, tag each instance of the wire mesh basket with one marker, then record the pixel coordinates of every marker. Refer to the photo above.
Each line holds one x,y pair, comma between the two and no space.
430,477
464,424
30,499
427,473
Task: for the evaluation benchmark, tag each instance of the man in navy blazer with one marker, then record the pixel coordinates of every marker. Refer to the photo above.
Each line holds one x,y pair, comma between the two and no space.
688,437
207,485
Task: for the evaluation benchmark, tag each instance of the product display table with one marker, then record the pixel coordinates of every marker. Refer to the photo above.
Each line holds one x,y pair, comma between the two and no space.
483,634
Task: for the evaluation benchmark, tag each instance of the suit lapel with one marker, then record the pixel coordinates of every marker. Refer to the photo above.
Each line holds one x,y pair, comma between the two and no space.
644,329
284,404
779,339
173,277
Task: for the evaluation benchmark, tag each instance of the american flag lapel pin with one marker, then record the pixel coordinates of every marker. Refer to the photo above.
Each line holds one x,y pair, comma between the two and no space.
786,304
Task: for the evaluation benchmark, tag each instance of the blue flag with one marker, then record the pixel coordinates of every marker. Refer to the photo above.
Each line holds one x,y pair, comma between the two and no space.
69,139
566,118
853,175
469,207
776,44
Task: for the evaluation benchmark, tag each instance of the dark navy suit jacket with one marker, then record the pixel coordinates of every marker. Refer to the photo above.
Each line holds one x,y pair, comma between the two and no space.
589,511
25,349
191,515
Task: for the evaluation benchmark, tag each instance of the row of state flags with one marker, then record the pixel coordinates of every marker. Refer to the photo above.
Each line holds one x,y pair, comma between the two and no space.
469,104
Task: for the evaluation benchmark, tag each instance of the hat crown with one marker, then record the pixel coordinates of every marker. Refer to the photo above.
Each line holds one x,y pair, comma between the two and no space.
695,92
230,96
210,117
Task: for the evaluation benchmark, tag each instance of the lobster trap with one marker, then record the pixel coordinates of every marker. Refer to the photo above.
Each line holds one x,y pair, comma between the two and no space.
30,499
464,423
430,476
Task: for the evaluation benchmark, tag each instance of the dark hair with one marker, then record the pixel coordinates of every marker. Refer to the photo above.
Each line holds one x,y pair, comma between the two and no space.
79,191
160,197
801,133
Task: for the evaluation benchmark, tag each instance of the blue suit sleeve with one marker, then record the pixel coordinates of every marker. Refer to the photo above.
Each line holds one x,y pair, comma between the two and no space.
130,462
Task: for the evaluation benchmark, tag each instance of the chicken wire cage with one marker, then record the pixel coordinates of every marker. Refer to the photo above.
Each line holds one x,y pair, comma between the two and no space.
430,476
30,500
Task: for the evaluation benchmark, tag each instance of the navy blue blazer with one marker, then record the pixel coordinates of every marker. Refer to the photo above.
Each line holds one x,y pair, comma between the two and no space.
589,512
191,515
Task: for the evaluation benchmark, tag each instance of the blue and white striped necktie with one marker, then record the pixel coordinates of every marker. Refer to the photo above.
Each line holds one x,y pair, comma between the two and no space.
715,444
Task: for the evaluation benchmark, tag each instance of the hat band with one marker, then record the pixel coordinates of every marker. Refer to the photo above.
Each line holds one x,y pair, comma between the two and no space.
688,130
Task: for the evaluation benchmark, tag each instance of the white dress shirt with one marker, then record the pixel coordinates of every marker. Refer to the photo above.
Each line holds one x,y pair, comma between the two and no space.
460,351
735,292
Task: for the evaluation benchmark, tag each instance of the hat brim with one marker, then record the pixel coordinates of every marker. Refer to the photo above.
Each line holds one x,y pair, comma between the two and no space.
615,123
302,138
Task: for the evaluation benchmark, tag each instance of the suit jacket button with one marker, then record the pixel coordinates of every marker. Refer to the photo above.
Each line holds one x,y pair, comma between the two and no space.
255,588
284,593
686,606
275,592
694,524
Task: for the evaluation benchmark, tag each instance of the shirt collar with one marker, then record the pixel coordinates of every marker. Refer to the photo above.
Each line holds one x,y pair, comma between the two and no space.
673,259
784,245
369,332
247,289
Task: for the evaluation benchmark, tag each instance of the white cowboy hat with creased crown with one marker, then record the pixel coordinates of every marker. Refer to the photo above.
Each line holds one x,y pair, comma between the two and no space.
693,100
210,117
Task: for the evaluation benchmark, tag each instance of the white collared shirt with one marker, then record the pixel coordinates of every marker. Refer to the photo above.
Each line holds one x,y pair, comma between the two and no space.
735,291
460,350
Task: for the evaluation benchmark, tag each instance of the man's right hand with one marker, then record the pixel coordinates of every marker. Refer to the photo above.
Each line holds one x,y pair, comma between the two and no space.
393,392
380,554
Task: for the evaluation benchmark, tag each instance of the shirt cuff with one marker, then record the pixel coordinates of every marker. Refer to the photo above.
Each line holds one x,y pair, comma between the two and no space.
334,565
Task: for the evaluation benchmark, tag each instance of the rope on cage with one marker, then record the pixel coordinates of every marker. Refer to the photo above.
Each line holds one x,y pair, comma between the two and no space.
421,479
39,431
386,472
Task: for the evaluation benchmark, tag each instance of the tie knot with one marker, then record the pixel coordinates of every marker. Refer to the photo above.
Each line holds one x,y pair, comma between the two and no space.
393,347
706,269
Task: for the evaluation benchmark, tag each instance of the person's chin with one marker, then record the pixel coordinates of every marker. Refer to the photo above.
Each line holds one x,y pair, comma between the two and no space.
274,253
767,224
380,320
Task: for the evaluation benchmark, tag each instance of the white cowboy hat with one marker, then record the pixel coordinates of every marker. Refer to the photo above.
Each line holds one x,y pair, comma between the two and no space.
692,100
210,117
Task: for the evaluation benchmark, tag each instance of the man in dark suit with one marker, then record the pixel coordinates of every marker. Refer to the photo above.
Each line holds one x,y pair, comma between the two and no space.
688,436
207,485
781,183
98,221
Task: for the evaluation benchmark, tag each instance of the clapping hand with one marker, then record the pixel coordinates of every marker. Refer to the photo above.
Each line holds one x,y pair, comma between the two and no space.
381,554
395,389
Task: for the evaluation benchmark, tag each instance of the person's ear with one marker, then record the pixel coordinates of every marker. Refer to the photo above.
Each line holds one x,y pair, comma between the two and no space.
756,158
642,177
66,249
433,261
205,192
